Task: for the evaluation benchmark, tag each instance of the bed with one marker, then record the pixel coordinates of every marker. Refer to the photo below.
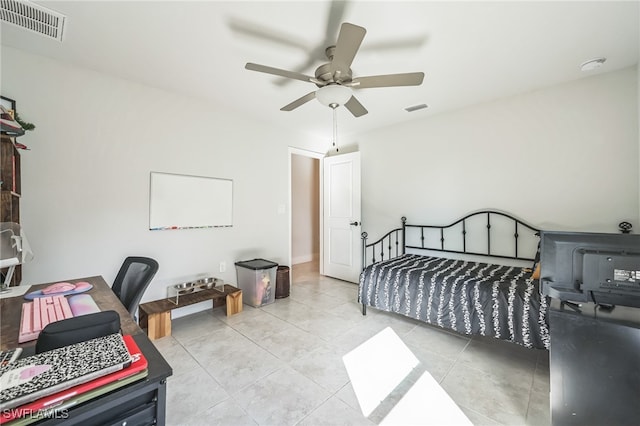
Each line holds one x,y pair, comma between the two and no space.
408,275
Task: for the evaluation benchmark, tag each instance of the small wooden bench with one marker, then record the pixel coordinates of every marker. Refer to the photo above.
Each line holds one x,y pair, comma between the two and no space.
156,316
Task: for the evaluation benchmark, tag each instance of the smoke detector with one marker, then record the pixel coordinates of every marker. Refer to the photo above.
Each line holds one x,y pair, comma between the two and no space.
33,17
592,64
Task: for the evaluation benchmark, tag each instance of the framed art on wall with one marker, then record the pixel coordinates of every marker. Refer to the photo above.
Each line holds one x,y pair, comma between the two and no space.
8,124
9,105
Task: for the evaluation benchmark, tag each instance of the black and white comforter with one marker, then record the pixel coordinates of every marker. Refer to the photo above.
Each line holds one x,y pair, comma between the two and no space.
468,297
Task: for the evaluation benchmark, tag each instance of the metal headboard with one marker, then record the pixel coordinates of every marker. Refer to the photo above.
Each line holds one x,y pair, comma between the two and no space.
393,243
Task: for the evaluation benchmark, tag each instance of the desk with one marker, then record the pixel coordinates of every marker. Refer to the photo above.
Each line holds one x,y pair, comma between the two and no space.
139,402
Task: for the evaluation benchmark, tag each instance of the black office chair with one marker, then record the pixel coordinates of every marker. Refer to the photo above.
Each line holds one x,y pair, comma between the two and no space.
77,329
132,280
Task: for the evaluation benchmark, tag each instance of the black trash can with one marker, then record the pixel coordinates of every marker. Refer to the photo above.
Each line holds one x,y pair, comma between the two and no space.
282,282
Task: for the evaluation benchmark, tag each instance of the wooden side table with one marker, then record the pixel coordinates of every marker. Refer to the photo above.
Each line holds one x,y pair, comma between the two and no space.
156,316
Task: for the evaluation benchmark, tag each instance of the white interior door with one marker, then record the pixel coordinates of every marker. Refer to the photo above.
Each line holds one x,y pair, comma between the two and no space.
341,216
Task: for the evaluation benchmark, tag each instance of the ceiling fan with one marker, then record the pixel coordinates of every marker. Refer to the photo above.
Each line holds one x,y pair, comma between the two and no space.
313,53
335,78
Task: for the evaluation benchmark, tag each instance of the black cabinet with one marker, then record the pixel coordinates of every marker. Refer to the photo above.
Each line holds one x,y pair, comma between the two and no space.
595,366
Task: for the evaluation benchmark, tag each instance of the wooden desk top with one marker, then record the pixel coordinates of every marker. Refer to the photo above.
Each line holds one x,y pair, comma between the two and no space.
11,311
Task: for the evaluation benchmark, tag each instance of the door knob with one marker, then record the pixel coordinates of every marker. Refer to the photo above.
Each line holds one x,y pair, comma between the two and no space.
354,223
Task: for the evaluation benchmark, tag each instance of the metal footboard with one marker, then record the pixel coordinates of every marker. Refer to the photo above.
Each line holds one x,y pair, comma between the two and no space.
391,243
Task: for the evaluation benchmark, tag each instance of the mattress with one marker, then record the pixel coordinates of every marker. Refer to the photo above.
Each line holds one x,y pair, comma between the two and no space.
472,298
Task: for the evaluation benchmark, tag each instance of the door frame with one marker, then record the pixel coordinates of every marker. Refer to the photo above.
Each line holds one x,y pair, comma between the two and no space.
319,156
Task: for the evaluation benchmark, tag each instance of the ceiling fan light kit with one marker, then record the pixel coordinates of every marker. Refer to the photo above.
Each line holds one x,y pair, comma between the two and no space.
333,95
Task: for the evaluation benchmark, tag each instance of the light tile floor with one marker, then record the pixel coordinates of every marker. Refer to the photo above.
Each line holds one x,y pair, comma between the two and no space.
282,364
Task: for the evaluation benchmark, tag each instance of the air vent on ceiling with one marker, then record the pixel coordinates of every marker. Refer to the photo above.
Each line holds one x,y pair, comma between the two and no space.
416,107
33,17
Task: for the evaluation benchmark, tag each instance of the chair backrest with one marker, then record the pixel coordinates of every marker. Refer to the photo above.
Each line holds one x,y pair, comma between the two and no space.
132,280
77,329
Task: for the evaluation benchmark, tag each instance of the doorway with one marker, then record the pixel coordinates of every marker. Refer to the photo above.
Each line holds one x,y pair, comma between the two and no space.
305,213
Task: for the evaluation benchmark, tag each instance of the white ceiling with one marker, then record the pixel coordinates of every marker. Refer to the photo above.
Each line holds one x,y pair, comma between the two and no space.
470,52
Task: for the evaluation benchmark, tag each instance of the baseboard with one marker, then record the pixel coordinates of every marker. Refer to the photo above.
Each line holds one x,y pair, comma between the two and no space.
302,259
305,258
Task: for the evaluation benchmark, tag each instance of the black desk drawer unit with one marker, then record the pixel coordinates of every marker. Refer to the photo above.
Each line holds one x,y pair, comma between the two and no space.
145,415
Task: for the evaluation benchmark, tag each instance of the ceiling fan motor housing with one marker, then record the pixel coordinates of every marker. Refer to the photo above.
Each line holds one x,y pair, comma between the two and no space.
325,74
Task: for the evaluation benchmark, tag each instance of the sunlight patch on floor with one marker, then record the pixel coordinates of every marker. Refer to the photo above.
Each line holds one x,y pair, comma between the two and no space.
382,364
377,366
426,403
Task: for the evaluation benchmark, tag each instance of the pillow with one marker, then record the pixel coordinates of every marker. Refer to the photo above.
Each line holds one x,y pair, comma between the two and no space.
536,259
536,272
536,264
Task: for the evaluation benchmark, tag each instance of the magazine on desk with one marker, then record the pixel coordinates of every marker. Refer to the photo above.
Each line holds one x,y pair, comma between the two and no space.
68,398
37,376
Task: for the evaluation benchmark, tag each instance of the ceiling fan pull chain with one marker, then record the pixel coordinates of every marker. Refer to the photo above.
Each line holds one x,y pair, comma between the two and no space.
335,126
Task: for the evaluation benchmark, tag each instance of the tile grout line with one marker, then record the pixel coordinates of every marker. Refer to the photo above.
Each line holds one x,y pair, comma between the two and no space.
455,362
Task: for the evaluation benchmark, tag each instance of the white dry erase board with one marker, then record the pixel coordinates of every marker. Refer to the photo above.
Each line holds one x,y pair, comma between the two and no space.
183,201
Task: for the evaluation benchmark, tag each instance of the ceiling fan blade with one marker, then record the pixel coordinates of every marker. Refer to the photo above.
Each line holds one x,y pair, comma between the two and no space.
355,107
406,43
277,71
349,41
334,19
302,67
264,33
295,104
389,80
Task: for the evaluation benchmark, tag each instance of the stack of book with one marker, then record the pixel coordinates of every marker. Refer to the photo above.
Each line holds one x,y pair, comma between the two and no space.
37,387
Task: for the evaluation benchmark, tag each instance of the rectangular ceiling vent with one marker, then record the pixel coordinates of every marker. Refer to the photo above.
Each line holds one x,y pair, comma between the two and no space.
33,17
416,107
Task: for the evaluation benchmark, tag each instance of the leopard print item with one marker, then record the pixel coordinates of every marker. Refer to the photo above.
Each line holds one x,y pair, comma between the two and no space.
33,377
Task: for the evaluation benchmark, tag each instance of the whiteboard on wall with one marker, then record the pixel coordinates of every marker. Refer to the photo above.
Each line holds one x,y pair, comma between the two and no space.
183,201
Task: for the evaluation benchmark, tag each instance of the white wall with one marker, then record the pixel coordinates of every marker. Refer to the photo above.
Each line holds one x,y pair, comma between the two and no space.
305,208
565,157
562,158
85,182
